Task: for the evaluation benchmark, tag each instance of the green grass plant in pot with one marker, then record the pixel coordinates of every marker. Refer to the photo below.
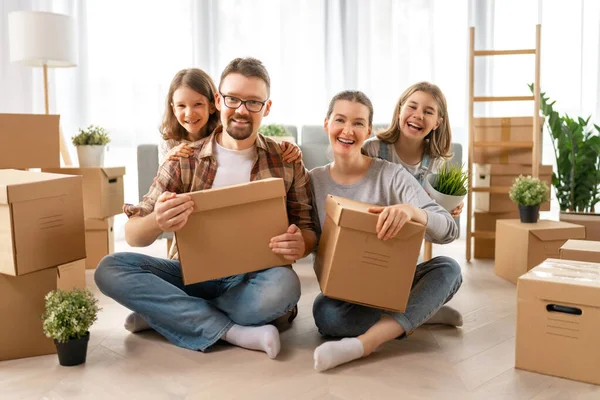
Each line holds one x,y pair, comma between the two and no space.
67,317
529,193
91,144
448,187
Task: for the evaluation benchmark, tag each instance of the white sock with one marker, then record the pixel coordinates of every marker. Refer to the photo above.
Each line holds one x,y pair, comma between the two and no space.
332,354
135,323
264,338
447,316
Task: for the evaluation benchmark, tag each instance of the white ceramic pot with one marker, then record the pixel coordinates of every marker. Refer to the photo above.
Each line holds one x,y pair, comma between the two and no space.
448,202
91,156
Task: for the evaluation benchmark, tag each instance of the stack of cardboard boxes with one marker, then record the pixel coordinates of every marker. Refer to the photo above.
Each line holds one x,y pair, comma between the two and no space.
497,167
42,228
42,240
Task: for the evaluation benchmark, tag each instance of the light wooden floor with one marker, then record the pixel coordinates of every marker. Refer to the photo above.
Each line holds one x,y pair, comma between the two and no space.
475,362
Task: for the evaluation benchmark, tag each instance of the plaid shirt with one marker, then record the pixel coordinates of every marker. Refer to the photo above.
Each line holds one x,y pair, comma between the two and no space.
198,173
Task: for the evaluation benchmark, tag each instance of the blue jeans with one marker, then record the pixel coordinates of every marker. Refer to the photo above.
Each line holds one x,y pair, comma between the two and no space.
197,315
434,284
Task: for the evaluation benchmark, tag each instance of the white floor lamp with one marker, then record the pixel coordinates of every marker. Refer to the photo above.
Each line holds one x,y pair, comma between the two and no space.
47,40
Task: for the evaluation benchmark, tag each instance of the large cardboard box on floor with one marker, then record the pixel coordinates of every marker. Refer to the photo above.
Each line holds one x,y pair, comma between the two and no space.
558,319
229,231
22,304
99,240
509,129
29,141
503,175
103,194
41,221
486,222
591,221
581,250
352,264
521,246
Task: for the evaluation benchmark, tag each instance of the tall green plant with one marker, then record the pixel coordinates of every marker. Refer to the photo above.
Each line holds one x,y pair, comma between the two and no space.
452,180
577,151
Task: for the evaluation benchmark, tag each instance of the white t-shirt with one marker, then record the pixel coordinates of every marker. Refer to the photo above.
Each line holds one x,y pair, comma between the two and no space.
234,166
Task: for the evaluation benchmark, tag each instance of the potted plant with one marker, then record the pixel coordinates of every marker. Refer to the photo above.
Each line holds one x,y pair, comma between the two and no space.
67,318
529,193
91,143
276,132
448,187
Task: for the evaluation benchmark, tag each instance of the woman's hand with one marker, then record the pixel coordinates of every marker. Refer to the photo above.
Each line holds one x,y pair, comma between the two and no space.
392,219
456,212
182,150
291,152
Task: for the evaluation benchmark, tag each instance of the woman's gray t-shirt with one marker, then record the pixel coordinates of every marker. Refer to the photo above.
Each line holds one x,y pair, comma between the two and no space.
384,184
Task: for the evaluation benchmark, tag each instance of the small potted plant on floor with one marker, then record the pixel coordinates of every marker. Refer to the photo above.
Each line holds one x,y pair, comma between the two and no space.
276,132
529,193
67,318
448,187
91,143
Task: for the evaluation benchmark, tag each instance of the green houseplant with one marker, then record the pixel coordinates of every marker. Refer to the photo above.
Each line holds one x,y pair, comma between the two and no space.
448,187
67,318
91,143
576,147
276,132
529,193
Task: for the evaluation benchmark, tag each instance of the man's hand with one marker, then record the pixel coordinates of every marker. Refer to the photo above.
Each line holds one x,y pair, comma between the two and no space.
291,244
172,211
392,219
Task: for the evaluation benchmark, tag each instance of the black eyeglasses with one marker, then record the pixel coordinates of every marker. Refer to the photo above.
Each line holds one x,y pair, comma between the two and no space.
235,103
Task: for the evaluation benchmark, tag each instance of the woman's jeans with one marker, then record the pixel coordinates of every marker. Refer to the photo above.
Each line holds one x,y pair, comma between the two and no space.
434,284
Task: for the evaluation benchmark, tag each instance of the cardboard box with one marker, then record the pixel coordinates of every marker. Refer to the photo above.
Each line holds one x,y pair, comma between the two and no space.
521,246
512,129
22,303
230,229
486,222
29,141
580,250
591,221
41,221
558,318
353,265
503,175
99,240
103,194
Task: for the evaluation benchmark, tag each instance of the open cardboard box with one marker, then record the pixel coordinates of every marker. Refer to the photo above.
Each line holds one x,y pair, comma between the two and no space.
521,246
353,265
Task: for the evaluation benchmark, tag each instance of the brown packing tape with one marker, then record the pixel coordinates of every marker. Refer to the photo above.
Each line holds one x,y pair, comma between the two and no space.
505,137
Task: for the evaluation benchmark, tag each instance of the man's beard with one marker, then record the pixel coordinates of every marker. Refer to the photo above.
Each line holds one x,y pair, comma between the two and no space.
239,133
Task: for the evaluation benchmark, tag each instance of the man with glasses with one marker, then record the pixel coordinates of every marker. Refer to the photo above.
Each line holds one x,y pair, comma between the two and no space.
236,309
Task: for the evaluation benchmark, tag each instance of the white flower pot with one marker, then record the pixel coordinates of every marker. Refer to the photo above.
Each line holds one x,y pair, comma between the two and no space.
448,202
91,156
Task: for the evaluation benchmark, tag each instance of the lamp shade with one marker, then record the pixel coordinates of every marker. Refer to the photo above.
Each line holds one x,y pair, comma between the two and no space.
42,38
